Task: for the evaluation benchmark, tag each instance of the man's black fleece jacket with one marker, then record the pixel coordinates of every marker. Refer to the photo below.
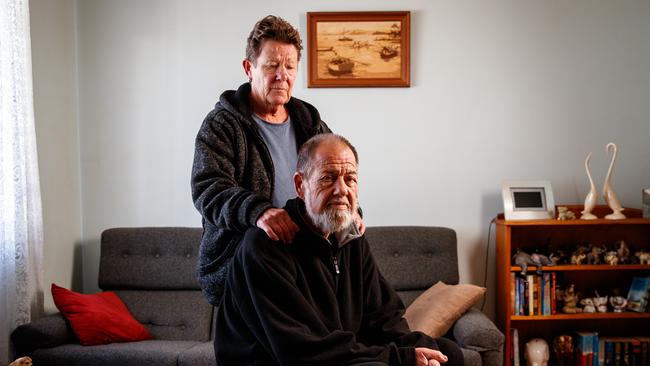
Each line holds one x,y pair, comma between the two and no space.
313,302
232,178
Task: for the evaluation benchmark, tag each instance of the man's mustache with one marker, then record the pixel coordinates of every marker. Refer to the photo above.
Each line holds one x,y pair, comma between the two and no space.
336,202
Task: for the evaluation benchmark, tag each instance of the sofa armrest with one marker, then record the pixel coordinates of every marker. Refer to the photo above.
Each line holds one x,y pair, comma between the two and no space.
474,330
48,331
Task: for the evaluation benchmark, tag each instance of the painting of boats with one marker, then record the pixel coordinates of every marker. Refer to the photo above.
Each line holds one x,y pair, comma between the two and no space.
387,53
344,38
340,66
365,52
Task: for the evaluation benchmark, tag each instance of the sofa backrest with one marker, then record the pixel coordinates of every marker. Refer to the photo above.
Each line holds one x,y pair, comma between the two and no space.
153,270
413,258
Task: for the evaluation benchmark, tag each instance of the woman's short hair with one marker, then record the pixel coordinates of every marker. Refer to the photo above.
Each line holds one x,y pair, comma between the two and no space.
272,28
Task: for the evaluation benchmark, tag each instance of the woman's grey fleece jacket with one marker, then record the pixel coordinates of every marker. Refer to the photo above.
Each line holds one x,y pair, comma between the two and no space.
232,178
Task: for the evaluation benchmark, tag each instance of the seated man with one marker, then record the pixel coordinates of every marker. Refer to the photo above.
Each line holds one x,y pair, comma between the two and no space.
320,300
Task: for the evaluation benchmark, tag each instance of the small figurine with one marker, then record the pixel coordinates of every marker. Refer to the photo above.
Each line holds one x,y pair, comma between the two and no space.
558,257
588,305
623,252
644,257
570,299
592,196
524,259
608,190
577,257
563,348
536,352
594,255
541,260
618,303
600,302
611,258
563,213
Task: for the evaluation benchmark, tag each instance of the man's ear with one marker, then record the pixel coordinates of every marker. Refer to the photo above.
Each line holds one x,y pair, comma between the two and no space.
247,67
298,181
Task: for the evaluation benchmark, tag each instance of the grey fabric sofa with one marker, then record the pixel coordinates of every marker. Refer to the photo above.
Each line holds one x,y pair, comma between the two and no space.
153,271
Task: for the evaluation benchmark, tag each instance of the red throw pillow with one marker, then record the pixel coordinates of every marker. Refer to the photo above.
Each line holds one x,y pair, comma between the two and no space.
98,319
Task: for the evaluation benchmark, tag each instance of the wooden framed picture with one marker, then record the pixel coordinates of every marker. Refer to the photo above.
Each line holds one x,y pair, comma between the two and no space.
358,49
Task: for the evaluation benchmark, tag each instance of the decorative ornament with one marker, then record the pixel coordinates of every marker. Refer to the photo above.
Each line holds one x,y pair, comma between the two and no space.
536,352
608,190
563,213
592,196
618,303
563,348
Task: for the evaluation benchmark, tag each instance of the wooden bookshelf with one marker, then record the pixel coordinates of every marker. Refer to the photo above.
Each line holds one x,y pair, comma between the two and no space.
549,235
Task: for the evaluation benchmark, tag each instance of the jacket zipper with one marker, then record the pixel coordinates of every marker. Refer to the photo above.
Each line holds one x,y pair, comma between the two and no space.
337,271
336,265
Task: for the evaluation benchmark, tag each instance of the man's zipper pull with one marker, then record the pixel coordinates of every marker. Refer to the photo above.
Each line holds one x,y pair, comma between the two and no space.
336,265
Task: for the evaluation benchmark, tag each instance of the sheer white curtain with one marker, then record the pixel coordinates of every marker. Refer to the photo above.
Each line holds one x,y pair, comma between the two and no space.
21,223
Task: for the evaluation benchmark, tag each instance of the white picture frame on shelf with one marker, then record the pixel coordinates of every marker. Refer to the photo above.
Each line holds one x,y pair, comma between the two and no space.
527,200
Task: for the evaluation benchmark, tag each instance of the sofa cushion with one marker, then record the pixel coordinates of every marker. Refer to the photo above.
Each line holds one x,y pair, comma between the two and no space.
436,310
474,330
154,352
162,258
199,355
171,315
429,253
473,358
98,318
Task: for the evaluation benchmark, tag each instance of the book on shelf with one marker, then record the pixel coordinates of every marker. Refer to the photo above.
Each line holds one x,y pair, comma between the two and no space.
644,355
525,305
586,350
537,296
546,290
635,353
533,294
512,293
530,284
518,295
601,354
637,297
553,293
515,295
628,351
595,344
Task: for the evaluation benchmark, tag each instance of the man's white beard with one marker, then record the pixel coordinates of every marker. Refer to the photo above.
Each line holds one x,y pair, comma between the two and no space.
331,220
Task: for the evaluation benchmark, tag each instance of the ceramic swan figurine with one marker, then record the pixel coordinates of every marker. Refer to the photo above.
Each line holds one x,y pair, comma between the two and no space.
592,196
608,190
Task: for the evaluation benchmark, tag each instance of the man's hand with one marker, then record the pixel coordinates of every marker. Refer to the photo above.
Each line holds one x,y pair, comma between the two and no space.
359,222
277,224
429,357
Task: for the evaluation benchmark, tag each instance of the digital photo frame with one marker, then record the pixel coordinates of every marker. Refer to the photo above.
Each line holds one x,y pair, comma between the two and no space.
527,200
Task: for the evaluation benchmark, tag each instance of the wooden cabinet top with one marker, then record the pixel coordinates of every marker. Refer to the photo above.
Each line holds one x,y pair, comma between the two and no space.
634,217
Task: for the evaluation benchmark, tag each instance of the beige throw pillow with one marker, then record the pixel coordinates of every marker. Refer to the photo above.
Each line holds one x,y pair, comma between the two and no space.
436,309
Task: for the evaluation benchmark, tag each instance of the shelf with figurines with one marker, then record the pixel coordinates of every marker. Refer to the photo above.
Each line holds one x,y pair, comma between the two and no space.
584,258
537,293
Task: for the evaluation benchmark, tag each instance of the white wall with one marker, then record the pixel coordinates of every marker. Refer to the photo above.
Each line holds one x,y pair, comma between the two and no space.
55,113
500,90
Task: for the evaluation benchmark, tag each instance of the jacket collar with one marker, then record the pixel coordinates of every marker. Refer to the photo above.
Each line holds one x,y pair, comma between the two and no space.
306,116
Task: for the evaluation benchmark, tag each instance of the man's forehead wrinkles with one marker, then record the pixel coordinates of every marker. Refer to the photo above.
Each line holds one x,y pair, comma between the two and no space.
337,167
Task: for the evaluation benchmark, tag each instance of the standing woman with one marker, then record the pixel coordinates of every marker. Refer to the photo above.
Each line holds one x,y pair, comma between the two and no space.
246,150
